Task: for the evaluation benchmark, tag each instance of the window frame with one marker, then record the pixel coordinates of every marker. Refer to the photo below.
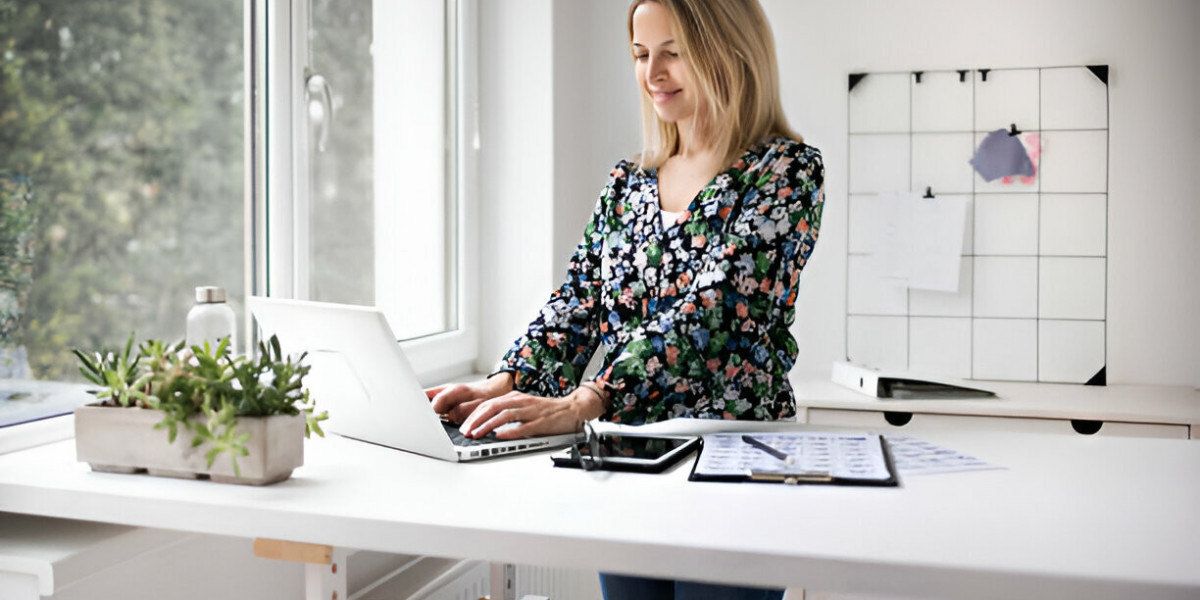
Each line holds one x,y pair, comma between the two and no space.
277,203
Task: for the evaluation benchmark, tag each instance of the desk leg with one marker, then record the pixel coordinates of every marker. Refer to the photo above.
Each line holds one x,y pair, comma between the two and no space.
19,586
324,566
327,582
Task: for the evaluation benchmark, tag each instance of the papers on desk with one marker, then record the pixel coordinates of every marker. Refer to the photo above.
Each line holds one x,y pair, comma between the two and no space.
851,458
795,457
912,456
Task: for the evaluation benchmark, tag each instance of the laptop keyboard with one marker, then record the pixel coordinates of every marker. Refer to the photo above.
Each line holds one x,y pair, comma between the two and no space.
459,439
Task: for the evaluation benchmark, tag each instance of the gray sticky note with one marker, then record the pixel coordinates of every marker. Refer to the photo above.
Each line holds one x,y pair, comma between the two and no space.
1001,155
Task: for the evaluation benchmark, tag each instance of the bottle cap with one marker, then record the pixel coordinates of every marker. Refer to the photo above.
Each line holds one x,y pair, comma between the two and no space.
209,294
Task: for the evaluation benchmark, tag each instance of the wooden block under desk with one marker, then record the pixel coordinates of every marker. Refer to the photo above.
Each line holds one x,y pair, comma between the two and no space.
317,554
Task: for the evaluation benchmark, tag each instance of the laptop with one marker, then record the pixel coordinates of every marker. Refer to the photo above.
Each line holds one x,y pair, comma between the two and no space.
362,378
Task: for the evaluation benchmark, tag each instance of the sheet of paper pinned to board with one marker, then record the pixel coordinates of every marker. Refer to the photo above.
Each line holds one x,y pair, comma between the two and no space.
916,242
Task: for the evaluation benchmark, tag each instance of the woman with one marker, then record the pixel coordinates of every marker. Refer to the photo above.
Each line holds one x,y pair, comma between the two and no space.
688,270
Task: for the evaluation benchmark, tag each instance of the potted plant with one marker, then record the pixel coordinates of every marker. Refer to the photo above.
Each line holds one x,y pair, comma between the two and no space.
172,410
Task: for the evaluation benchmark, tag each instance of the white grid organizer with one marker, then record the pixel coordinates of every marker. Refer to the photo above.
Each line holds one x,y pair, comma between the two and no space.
1032,303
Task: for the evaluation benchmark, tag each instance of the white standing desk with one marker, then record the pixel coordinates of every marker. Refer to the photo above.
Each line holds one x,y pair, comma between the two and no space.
1070,516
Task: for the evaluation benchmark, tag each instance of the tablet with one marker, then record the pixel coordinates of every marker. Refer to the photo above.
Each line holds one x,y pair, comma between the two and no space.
629,452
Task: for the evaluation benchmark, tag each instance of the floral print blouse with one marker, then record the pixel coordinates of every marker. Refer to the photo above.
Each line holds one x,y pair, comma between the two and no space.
694,316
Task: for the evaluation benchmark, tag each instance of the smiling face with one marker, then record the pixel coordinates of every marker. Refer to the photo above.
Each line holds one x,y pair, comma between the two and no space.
661,71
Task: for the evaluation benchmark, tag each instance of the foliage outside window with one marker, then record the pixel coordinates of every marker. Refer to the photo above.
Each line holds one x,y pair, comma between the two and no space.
122,121
16,258
121,146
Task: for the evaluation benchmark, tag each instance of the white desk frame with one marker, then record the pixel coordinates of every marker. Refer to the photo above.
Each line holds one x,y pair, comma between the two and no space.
1070,516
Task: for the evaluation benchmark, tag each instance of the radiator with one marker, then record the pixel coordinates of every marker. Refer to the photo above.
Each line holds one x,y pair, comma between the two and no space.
556,584
426,578
566,584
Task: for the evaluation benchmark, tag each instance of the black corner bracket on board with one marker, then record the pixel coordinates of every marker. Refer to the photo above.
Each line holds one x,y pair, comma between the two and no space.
1100,71
1099,378
962,75
928,192
983,73
854,79
918,75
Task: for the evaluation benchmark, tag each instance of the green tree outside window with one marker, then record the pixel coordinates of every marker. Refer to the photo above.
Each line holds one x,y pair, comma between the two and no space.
121,144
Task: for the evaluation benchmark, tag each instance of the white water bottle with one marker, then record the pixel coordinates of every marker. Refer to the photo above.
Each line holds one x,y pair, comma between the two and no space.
211,319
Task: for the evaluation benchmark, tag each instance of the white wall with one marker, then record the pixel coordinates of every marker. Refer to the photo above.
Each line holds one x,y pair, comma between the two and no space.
555,88
516,161
1151,47
596,108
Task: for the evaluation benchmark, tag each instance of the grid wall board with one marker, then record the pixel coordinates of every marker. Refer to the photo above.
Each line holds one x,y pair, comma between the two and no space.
1032,300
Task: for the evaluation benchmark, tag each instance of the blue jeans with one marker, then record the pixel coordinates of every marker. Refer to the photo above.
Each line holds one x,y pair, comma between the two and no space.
622,587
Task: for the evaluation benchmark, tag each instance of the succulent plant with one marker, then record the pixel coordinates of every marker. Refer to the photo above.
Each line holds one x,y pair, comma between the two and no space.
204,389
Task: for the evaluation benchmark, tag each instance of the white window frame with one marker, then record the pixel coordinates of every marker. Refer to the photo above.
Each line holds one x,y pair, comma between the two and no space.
277,168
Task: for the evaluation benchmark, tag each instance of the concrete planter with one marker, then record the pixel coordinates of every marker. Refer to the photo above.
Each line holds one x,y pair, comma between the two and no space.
124,440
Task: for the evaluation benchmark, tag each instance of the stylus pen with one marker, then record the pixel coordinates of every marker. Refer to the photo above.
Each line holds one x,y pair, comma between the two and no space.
757,443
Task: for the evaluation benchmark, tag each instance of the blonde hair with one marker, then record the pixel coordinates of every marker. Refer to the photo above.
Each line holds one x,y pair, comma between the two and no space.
730,50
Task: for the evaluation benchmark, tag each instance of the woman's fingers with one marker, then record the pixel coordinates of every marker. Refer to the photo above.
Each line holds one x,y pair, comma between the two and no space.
456,400
502,423
480,413
446,397
462,411
534,415
484,418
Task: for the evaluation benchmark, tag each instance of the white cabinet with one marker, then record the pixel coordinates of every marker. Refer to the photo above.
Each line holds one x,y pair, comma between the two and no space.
913,422
1018,407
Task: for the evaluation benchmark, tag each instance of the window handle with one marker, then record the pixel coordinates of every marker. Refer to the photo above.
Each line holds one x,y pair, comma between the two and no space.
319,96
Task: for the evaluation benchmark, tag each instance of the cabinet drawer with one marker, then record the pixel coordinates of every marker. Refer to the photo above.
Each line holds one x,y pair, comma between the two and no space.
908,421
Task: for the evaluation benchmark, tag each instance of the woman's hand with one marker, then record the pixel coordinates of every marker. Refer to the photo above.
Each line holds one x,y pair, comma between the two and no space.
536,415
458,400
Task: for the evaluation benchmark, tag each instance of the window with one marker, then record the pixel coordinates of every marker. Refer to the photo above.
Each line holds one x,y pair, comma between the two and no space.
366,165
128,175
121,172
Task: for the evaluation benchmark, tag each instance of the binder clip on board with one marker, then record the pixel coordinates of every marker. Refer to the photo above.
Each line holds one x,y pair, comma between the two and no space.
901,385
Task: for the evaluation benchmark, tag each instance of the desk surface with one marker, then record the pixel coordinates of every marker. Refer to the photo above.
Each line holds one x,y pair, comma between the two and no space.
1069,517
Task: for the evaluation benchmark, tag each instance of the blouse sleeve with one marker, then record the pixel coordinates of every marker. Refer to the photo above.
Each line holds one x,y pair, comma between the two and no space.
549,359
725,342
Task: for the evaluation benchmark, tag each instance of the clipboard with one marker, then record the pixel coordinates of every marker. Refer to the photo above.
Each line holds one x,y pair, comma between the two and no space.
808,457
